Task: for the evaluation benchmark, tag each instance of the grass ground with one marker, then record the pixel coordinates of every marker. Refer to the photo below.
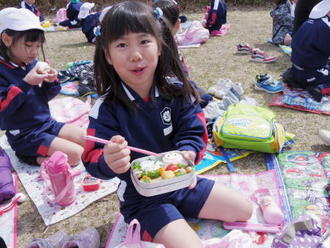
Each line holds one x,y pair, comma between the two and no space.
214,60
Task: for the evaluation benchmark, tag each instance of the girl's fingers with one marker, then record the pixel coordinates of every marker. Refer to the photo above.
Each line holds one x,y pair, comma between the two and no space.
117,155
119,165
189,155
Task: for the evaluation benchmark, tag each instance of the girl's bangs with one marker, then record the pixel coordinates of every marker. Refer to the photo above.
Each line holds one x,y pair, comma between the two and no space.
129,21
35,35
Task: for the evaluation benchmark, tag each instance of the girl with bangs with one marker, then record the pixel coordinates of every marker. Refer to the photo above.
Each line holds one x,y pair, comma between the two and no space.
26,86
140,107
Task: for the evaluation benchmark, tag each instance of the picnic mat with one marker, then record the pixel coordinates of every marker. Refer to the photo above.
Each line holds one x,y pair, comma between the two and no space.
304,176
300,100
8,222
207,229
214,158
52,213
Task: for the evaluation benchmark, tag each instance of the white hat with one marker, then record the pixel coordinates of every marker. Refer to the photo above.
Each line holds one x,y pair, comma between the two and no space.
18,20
103,12
85,10
321,9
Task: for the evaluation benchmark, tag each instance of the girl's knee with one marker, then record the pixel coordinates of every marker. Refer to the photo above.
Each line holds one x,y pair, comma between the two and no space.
246,211
74,156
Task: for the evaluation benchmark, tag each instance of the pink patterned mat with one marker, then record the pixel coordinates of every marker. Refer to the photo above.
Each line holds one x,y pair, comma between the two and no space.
207,229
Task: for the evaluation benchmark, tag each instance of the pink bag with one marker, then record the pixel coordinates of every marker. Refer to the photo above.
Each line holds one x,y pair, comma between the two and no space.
195,34
58,179
133,240
61,15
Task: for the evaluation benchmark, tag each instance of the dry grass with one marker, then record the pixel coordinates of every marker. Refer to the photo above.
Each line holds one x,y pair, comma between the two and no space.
212,61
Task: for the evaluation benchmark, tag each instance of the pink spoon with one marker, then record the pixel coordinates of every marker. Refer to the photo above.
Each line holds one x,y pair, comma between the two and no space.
135,149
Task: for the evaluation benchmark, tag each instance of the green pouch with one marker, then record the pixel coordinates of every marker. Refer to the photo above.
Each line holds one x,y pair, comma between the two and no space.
249,127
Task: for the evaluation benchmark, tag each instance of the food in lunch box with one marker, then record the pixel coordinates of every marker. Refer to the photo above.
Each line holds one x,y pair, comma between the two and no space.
170,165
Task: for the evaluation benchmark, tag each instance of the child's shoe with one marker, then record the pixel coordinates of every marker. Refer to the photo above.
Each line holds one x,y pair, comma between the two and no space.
244,49
217,33
56,170
271,212
325,136
7,188
316,93
266,83
54,241
89,238
260,56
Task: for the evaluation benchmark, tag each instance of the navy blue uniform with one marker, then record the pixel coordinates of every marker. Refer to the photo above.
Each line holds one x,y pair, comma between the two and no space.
33,8
24,110
72,11
310,53
88,24
157,125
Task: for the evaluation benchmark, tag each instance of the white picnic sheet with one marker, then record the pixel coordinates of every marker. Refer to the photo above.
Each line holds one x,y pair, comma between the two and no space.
52,213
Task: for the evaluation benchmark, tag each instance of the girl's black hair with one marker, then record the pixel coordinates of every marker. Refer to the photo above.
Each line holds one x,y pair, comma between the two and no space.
31,35
137,17
170,9
278,2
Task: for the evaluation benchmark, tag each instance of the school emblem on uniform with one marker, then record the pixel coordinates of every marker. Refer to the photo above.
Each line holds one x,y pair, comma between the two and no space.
165,114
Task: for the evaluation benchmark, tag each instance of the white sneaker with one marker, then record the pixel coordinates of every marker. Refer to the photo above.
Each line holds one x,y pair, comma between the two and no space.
325,136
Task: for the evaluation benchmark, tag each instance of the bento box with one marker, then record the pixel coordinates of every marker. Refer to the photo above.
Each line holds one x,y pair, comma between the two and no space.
154,175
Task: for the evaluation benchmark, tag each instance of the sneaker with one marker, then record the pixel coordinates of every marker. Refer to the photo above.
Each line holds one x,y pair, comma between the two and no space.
260,56
325,136
266,83
262,77
316,93
244,49
217,33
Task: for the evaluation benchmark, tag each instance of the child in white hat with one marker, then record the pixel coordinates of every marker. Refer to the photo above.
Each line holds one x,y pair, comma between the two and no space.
311,50
26,86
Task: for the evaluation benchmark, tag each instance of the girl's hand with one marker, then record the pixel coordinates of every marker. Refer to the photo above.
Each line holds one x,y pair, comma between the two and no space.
117,155
51,75
190,155
34,77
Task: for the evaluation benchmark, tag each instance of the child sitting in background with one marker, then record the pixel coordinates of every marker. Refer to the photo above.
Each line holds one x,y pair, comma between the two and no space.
141,108
216,17
72,12
302,11
88,20
311,50
171,12
26,86
283,16
29,4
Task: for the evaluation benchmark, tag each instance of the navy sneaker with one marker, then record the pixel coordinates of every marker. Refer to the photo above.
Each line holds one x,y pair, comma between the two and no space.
316,93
